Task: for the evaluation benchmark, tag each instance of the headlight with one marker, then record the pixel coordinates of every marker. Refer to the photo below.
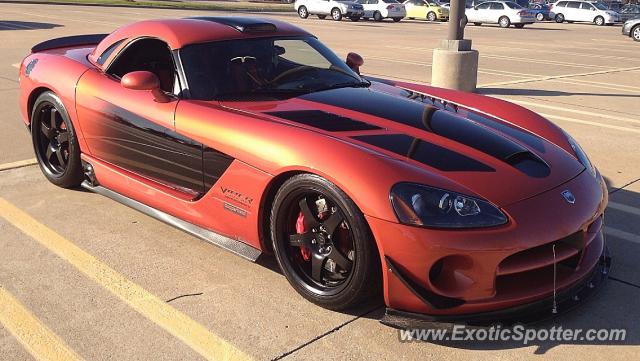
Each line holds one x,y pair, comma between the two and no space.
419,205
582,156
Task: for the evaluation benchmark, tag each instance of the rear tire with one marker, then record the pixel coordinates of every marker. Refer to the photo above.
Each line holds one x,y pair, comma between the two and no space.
540,16
303,13
353,275
377,16
431,16
336,14
504,22
54,142
559,18
599,20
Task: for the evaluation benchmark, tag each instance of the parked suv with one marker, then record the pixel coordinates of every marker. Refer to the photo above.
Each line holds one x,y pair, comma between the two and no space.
336,9
570,11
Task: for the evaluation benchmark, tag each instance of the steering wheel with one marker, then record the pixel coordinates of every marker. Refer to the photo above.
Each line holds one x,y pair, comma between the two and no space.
288,73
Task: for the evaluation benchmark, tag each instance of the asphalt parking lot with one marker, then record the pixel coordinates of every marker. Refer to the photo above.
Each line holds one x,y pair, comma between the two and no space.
110,283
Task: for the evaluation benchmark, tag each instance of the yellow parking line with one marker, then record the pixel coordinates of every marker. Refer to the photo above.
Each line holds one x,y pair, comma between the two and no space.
624,208
624,235
173,321
18,164
36,338
596,124
576,111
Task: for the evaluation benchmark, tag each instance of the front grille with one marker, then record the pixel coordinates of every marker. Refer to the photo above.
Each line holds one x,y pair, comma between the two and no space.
542,256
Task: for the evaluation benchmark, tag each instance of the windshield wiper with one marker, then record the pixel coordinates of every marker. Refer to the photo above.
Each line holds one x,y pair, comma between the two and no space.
362,84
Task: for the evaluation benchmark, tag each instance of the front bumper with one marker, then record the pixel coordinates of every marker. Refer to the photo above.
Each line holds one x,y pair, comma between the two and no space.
626,29
354,13
450,273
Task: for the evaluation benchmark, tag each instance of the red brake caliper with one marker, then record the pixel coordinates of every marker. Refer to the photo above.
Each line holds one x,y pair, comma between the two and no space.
306,253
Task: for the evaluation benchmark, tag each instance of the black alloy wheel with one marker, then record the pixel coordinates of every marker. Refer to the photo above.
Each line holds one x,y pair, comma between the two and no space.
54,142
323,244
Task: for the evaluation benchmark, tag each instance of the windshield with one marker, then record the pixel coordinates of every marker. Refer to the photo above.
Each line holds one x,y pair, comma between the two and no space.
263,66
514,5
601,6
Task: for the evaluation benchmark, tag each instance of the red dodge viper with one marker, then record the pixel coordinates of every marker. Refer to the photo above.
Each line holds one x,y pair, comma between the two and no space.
252,135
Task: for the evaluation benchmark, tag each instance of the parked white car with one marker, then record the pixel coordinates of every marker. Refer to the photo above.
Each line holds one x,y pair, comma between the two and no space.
504,13
336,9
383,9
593,12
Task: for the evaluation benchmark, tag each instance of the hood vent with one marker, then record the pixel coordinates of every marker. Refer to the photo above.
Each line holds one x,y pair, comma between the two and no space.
323,120
469,133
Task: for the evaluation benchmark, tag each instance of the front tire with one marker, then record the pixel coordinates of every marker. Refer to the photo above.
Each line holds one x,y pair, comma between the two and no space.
431,16
635,33
323,243
336,14
599,20
559,18
504,22
54,141
540,16
303,13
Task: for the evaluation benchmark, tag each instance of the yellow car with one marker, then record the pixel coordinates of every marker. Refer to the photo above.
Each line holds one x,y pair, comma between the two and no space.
426,9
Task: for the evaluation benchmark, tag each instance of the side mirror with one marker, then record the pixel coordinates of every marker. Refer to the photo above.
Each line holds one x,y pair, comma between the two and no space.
354,61
145,80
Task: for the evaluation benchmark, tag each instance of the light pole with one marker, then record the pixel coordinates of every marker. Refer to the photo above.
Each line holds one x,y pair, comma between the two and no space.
455,64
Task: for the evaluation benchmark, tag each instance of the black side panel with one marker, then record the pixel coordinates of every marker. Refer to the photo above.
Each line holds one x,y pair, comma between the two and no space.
215,163
138,145
424,152
75,40
323,120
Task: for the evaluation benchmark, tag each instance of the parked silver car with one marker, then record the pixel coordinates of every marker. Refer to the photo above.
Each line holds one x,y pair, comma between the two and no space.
632,28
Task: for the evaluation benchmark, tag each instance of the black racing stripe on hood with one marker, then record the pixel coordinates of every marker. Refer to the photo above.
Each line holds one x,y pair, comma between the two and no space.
424,152
444,123
371,102
323,120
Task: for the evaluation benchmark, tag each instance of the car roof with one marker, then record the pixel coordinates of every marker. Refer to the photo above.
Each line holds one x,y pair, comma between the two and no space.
178,33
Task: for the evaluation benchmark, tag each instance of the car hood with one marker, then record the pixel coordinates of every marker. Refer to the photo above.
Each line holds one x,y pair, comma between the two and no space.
494,159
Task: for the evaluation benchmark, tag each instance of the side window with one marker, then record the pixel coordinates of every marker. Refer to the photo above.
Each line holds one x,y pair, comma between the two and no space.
149,55
586,6
484,6
573,5
105,55
497,6
562,4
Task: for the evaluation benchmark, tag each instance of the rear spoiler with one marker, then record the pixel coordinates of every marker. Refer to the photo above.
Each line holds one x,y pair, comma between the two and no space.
68,41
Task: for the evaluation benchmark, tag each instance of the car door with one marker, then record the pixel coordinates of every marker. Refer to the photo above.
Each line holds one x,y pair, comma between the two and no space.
587,12
131,129
572,11
474,15
495,11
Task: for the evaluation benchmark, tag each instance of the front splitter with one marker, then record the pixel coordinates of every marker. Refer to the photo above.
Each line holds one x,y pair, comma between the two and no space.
528,314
